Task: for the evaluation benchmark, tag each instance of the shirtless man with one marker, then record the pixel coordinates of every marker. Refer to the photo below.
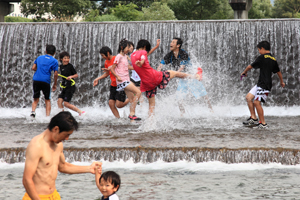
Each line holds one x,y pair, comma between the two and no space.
44,156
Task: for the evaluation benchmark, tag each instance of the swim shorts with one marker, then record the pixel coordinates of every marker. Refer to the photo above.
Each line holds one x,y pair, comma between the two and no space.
45,87
136,83
259,93
190,85
163,84
117,95
67,93
122,86
54,196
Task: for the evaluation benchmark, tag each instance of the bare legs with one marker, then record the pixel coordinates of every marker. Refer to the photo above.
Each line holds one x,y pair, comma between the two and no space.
249,99
255,105
61,103
133,94
47,103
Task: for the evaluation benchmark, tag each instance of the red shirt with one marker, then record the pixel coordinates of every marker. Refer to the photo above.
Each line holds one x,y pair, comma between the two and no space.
107,64
150,78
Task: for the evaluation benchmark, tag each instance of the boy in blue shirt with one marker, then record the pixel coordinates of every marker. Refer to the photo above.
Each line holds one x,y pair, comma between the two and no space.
43,66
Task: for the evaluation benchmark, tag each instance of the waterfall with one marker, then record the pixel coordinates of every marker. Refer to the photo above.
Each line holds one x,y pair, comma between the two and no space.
150,155
223,48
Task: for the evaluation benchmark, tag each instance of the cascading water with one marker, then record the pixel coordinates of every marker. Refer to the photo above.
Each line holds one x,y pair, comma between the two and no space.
188,148
223,48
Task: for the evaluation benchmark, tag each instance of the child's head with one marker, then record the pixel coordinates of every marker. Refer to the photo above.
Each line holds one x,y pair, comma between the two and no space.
109,183
105,52
131,46
144,43
64,57
263,45
123,46
50,49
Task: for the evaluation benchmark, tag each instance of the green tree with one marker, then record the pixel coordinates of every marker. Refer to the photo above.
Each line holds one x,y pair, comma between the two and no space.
194,9
105,7
286,9
57,9
127,12
158,11
260,9
224,11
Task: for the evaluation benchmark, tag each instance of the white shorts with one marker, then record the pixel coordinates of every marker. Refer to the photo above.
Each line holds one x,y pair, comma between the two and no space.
122,86
259,93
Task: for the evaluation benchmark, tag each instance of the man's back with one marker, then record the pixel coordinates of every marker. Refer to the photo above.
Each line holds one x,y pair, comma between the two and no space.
45,65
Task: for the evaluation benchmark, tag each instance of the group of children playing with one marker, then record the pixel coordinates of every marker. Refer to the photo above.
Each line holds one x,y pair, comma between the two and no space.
124,90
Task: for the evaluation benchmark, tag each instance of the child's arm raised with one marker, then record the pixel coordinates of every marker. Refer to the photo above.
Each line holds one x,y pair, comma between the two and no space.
154,48
281,79
97,175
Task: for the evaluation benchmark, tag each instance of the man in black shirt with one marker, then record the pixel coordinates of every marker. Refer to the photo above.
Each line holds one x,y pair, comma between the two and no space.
267,65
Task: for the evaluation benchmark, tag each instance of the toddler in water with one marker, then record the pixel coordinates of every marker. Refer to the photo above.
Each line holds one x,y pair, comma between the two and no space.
108,184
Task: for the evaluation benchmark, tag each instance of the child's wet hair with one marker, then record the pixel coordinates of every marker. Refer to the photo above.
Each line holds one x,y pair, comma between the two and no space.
50,49
264,44
104,50
112,177
63,54
122,45
144,43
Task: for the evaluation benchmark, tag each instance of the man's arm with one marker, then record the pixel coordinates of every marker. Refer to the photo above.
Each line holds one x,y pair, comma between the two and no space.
154,48
34,67
281,79
249,67
69,168
33,155
106,74
55,81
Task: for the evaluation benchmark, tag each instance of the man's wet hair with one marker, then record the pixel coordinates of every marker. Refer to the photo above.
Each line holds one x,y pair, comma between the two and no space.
179,41
131,43
112,177
50,49
104,50
65,122
63,54
122,45
264,44
144,43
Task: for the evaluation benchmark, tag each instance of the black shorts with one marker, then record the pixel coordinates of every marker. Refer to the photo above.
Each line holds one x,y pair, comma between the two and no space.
136,83
115,95
67,93
38,86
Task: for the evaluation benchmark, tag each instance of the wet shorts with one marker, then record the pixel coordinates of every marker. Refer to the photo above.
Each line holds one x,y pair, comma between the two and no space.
117,95
163,84
190,85
45,87
67,93
136,83
259,93
122,86
54,196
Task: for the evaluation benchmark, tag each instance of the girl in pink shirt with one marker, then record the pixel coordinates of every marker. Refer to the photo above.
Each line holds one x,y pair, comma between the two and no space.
120,70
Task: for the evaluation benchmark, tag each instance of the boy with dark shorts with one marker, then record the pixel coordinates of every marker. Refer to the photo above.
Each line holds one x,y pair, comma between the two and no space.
43,66
68,88
259,93
116,99
152,79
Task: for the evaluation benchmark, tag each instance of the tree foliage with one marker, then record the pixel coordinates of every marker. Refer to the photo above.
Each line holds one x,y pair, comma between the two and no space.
286,9
16,19
105,7
195,9
58,9
158,11
260,9
127,12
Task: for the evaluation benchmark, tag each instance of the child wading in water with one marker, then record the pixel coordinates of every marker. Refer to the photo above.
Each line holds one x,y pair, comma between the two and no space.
108,183
259,93
120,70
152,79
116,99
68,88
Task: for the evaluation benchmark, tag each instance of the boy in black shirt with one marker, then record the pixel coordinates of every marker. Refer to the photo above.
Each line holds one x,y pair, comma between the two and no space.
267,65
68,88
